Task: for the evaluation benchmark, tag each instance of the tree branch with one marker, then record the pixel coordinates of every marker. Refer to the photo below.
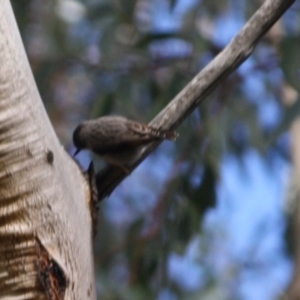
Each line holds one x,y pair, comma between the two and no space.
236,52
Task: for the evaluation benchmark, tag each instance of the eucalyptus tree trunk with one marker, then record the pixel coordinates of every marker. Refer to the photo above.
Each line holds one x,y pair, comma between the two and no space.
45,221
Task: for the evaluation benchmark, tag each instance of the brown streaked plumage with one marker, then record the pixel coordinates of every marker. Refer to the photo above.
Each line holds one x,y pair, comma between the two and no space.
116,138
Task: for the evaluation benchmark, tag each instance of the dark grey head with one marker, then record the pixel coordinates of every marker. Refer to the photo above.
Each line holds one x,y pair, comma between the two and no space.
78,139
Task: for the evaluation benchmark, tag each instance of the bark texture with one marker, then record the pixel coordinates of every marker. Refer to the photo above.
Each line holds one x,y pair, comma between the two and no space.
45,223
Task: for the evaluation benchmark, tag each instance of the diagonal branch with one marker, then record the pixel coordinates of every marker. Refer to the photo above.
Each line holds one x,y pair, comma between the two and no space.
236,52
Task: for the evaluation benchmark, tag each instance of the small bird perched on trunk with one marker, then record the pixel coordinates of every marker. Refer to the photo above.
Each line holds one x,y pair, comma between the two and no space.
116,138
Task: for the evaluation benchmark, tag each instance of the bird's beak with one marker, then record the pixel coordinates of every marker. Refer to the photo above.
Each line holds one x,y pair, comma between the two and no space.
76,152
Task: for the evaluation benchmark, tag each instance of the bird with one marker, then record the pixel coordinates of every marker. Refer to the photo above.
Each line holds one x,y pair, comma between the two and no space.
116,139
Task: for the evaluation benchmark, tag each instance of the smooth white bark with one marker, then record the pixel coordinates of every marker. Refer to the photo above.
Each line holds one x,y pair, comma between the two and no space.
43,195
